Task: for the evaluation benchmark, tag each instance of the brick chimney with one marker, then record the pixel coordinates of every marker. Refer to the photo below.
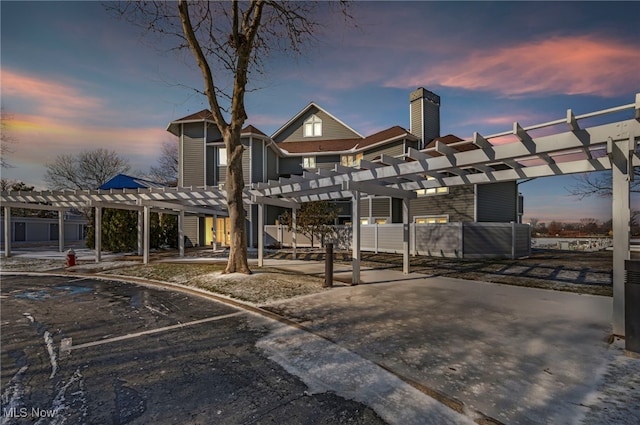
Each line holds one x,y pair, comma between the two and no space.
424,115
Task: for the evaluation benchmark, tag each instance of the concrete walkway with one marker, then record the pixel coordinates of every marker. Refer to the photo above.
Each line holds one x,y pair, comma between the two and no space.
517,355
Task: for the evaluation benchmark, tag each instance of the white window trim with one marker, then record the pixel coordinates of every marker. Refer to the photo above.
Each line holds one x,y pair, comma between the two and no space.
441,190
219,156
426,217
354,158
308,162
312,126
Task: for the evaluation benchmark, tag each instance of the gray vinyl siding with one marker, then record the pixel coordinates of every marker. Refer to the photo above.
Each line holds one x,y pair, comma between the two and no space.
497,202
290,166
431,121
194,130
326,162
211,178
392,149
257,161
416,118
213,135
193,160
364,208
458,204
246,166
221,172
381,207
191,231
272,165
411,144
331,129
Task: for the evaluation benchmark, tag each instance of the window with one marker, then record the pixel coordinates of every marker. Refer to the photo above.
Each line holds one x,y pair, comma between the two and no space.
431,219
364,221
433,191
309,162
313,126
222,156
351,160
380,221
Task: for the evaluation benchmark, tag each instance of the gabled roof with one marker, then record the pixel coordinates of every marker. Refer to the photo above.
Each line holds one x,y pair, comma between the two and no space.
388,135
252,130
319,146
448,140
174,126
304,111
345,145
123,181
206,115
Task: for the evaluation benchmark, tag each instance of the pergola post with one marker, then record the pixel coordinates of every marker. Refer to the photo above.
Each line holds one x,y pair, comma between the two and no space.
147,232
260,235
181,233
7,232
622,170
294,231
98,233
355,244
140,231
61,230
405,236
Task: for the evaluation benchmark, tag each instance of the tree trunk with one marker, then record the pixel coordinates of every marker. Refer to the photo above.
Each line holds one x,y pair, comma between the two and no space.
234,187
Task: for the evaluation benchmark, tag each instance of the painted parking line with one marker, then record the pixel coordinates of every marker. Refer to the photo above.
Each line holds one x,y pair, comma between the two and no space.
66,343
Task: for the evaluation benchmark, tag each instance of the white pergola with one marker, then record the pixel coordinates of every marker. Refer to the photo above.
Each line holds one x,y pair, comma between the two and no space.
568,148
201,201
565,148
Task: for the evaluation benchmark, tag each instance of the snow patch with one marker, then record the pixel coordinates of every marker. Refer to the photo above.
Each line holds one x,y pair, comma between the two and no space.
53,358
324,366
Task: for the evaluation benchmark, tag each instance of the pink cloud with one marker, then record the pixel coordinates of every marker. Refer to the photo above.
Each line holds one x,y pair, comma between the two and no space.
569,65
51,98
40,139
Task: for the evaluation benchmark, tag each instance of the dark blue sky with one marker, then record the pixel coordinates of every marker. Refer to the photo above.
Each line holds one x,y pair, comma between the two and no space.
74,77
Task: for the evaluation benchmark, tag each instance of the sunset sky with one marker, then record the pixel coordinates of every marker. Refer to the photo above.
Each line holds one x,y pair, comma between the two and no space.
76,78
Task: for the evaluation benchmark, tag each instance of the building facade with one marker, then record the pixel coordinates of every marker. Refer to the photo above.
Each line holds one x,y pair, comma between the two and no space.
314,139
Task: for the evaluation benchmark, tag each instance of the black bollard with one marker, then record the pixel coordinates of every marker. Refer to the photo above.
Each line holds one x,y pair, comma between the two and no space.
328,266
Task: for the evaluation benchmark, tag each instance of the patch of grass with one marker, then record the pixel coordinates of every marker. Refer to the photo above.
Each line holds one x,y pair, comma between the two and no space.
262,287
169,272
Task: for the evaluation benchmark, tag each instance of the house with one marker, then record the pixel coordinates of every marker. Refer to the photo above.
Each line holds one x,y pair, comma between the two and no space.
314,139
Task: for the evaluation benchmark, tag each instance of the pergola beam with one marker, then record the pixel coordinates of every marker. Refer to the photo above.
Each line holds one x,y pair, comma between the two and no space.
512,151
373,189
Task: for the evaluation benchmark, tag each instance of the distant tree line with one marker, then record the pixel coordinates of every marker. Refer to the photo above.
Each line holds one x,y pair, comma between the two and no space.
584,228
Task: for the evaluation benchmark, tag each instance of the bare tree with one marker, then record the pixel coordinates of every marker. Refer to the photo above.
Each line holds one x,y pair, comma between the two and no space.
599,184
85,170
14,185
314,219
229,41
533,222
166,171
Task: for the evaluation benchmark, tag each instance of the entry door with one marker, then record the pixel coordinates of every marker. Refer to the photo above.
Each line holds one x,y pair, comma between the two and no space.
223,234
208,231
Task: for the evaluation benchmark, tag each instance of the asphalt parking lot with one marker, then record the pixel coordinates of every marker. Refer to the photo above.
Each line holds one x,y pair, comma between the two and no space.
88,351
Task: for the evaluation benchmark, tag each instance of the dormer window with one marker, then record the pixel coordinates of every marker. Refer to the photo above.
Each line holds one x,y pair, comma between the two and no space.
313,126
